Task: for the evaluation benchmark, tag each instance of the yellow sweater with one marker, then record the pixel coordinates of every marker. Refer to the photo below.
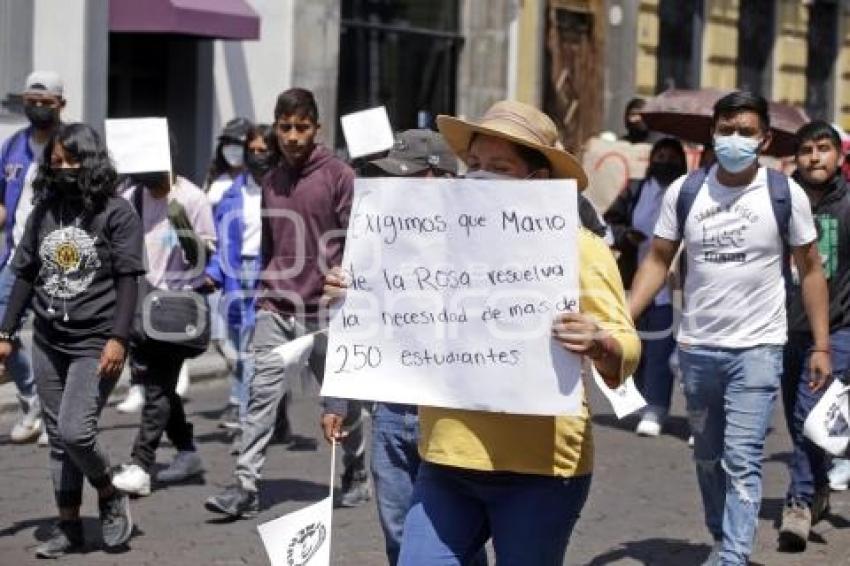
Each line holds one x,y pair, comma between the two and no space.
551,446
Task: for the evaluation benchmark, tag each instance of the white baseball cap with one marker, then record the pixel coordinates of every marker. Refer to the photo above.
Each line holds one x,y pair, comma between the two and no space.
44,82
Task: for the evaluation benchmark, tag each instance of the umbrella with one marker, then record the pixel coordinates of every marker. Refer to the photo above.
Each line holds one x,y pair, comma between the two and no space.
687,114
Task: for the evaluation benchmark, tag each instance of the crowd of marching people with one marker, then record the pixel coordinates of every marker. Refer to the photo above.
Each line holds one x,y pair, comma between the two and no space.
149,270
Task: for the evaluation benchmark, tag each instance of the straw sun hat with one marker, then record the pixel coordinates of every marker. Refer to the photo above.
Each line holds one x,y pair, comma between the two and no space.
518,123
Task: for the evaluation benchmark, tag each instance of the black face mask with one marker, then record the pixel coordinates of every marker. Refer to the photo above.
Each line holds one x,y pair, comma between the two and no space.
665,173
41,117
258,163
67,181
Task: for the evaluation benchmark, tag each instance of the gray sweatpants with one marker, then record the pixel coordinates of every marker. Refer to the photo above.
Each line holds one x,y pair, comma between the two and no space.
267,389
72,397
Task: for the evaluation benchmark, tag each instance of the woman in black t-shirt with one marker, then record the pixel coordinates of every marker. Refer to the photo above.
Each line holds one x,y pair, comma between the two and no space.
77,263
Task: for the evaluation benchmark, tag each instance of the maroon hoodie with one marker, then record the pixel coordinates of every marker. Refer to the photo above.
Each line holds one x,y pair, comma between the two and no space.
300,206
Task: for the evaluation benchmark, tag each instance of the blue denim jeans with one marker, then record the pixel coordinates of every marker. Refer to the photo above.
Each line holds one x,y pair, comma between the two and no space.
18,363
809,463
730,395
395,463
455,511
654,378
239,333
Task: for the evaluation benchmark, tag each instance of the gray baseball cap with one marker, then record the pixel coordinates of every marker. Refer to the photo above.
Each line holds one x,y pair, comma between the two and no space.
44,82
417,150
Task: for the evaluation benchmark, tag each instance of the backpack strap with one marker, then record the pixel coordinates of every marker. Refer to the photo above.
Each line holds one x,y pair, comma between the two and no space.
780,201
687,195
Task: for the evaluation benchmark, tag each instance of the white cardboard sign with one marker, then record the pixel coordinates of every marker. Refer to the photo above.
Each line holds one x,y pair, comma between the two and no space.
454,286
138,145
367,132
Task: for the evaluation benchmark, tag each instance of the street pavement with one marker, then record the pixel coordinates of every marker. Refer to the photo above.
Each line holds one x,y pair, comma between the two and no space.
643,509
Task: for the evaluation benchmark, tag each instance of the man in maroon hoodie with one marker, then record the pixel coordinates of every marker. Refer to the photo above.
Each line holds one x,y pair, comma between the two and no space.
306,205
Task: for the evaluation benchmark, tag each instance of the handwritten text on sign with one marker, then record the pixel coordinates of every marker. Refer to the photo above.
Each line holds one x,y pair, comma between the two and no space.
453,287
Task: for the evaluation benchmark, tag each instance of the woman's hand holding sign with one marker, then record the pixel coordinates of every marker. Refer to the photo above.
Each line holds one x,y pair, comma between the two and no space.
581,334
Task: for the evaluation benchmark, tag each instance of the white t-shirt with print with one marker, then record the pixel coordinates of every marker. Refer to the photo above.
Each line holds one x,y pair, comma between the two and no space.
734,294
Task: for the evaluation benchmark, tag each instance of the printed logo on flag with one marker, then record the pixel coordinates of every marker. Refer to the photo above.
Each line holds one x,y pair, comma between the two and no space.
835,423
305,544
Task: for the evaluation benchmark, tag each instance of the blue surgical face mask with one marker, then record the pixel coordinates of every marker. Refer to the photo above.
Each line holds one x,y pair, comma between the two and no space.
735,153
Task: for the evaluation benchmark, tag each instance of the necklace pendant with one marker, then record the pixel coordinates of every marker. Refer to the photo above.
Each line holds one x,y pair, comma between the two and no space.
65,318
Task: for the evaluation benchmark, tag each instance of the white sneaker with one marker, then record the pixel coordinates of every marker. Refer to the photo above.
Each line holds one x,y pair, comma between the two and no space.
186,463
183,381
28,427
132,479
839,474
134,400
650,423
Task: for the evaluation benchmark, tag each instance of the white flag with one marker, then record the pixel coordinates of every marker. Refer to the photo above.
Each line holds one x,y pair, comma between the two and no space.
301,538
625,400
828,423
295,352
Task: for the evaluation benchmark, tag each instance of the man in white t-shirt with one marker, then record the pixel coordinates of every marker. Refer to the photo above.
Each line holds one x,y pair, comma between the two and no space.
734,320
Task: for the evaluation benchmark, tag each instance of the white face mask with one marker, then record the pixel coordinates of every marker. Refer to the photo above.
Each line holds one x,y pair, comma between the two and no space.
234,155
483,174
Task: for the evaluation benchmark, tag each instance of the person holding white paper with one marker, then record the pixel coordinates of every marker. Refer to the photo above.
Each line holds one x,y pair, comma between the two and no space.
306,205
519,479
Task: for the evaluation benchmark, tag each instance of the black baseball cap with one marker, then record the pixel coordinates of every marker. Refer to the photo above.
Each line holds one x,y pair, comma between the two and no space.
417,150
236,130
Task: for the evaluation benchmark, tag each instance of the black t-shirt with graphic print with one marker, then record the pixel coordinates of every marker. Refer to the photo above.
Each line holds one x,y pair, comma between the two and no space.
73,262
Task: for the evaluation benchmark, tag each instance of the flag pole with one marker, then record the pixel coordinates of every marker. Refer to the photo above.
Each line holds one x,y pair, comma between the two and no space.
333,466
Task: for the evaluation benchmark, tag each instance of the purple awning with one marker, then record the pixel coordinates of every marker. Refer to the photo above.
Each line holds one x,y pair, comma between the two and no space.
221,19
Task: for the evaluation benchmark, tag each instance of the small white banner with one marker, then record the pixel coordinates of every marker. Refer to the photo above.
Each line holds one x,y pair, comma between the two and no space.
295,352
301,538
138,145
828,424
367,132
625,400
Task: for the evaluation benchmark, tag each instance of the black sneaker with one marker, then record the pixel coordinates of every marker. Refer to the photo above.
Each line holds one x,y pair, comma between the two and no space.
115,519
66,536
355,489
235,502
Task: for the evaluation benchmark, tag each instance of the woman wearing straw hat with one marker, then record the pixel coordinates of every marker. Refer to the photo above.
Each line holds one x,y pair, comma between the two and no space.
519,479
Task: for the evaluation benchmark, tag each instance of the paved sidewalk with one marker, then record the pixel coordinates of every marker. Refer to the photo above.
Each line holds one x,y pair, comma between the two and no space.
643,509
210,365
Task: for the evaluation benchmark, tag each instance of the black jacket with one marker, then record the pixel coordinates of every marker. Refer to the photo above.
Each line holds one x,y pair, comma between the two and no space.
619,219
832,220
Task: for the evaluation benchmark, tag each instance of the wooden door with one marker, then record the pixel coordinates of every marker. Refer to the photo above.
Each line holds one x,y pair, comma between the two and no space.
573,72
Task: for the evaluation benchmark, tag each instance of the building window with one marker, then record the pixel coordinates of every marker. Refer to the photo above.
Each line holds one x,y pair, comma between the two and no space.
756,31
402,54
680,25
822,39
